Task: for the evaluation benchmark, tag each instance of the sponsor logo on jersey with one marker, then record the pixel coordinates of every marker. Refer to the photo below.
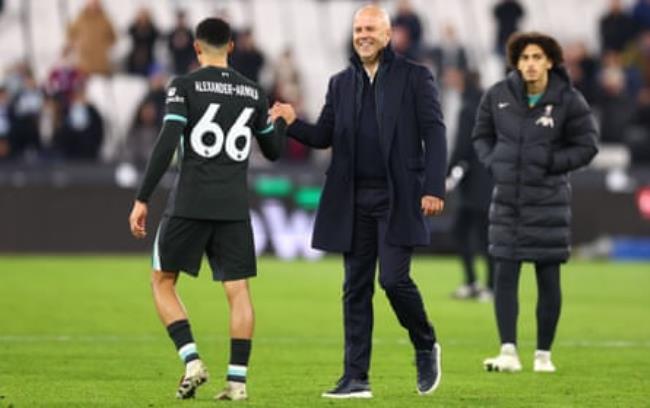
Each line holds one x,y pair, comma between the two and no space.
175,99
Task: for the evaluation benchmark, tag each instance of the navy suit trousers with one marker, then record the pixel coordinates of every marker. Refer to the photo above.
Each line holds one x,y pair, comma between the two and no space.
368,245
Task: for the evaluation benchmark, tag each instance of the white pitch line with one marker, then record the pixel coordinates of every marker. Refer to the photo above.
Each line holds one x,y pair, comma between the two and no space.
65,338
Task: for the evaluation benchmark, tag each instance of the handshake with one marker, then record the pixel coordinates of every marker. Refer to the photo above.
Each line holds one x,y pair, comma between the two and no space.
284,111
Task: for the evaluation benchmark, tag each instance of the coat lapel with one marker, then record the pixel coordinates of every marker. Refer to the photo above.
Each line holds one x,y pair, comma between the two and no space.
348,109
389,101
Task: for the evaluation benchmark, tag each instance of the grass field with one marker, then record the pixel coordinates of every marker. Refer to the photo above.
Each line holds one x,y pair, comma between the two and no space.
82,332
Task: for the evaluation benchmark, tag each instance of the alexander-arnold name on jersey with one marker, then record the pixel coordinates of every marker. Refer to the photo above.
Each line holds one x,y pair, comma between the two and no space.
226,88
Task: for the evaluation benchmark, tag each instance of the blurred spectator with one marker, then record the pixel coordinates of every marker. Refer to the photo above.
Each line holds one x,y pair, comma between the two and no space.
615,104
143,33
449,53
641,14
180,44
451,84
143,134
246,58
156,92
287,87
637,60
81,132
147,121
401,43
507,13
91,35
5,123
583,69
408,21
474,186
64,78
50,121
24,114
15,77
639,137
617,28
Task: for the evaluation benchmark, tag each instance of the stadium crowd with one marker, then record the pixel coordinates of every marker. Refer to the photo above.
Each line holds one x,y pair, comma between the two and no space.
53,120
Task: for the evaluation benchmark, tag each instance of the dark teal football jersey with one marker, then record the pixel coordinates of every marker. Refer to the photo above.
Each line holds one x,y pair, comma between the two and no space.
222,111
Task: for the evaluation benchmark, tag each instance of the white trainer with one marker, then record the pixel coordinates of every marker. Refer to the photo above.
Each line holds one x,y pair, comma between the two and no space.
506,361
195,375
465,292
234,391
542,362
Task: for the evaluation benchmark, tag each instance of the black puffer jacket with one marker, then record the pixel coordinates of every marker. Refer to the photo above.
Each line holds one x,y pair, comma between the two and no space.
530,152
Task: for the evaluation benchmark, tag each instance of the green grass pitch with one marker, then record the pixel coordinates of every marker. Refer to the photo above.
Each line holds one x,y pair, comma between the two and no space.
82,332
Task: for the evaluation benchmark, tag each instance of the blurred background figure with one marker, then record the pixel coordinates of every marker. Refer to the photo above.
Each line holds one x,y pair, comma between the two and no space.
24,114
473,186
81,132
5,123
143,134
617,28
583,69
641,14
407,22
180,45
287,87
92,36
508,14
614,101
449,52
143,33
247,58
64,78
147,120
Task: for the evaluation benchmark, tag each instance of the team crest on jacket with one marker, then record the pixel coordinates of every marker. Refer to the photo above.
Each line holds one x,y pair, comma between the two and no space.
546,120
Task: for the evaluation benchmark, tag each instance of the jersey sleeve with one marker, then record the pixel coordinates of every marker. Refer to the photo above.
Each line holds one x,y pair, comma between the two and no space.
173,126
176,102
262,125
271,137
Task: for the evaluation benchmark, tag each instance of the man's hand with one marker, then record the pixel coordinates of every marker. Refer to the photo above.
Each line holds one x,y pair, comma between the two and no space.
432,205
137,219
283,110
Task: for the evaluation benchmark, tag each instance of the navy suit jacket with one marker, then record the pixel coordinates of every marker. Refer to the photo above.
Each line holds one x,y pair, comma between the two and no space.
412,141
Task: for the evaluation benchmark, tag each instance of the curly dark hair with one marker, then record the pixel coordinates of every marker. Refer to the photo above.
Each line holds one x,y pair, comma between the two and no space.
518,41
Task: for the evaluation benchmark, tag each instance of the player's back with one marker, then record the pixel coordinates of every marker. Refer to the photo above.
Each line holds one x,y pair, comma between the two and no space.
222,110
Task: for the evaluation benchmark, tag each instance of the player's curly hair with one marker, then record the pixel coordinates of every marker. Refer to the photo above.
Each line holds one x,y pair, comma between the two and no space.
518,41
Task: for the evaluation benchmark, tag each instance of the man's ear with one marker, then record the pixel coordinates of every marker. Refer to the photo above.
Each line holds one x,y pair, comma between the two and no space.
197,47
389,34
231,46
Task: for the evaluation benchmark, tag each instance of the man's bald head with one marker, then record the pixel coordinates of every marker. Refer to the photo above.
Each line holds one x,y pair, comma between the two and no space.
370,32
373,11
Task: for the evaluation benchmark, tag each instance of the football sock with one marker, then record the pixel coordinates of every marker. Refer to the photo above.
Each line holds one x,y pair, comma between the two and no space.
181,335
240,351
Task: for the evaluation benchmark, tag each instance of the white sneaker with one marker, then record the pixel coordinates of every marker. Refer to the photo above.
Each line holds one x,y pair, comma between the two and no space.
507,361
464,292
485,296
195,375
234,391
543,363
